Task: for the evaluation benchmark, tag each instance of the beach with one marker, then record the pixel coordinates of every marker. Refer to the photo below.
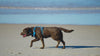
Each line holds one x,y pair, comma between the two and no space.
84,41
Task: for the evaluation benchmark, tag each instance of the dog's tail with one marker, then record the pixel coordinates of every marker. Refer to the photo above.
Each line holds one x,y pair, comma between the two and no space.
66,30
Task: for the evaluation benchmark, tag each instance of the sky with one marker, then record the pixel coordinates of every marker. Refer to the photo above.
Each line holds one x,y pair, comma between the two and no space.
80,12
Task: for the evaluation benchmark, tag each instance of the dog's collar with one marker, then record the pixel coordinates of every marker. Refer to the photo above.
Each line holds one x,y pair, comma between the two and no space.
34,31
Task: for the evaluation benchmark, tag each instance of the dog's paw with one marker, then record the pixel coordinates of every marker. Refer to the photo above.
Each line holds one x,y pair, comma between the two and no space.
63,48
30,46
56,46
41,47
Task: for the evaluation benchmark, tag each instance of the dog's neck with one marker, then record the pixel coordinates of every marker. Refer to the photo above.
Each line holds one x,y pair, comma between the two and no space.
34,31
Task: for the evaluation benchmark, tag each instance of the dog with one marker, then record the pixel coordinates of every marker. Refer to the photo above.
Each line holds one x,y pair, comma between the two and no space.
53,32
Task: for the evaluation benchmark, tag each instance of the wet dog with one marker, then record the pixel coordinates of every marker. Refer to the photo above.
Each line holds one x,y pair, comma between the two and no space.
53,32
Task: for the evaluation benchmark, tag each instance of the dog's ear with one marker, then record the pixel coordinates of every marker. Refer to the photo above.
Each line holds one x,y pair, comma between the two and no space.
26,29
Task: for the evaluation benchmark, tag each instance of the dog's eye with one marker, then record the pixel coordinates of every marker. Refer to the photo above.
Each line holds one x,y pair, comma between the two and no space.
25,31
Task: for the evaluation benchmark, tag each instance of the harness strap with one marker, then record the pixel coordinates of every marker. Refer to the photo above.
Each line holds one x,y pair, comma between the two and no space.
34,31
41,30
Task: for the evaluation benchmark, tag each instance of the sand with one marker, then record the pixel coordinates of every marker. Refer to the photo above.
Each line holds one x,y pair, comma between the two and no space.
84,41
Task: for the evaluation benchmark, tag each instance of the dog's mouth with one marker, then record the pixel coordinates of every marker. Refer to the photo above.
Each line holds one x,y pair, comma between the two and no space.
24,35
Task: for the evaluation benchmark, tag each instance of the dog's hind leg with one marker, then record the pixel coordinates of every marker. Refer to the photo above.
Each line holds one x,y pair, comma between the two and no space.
58,43
63,44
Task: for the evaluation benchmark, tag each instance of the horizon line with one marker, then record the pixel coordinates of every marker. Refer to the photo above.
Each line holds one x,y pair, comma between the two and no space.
52,8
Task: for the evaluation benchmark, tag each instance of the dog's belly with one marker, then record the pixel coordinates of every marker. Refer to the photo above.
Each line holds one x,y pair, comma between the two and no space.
47,36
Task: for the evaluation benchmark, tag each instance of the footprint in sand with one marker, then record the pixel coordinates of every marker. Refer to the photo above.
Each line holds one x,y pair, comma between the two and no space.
15,53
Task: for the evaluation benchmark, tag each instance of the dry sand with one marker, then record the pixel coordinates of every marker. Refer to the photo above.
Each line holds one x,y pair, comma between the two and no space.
84,41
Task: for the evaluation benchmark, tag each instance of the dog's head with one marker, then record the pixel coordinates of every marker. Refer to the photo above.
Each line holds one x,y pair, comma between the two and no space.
26,32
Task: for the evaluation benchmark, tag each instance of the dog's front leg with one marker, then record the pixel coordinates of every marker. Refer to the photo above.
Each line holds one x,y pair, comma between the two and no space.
33,41
42,40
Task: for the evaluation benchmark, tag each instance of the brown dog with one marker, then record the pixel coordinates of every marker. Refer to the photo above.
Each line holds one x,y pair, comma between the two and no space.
54,32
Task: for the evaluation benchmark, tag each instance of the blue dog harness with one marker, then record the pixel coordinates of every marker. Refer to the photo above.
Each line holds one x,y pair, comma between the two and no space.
34,33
